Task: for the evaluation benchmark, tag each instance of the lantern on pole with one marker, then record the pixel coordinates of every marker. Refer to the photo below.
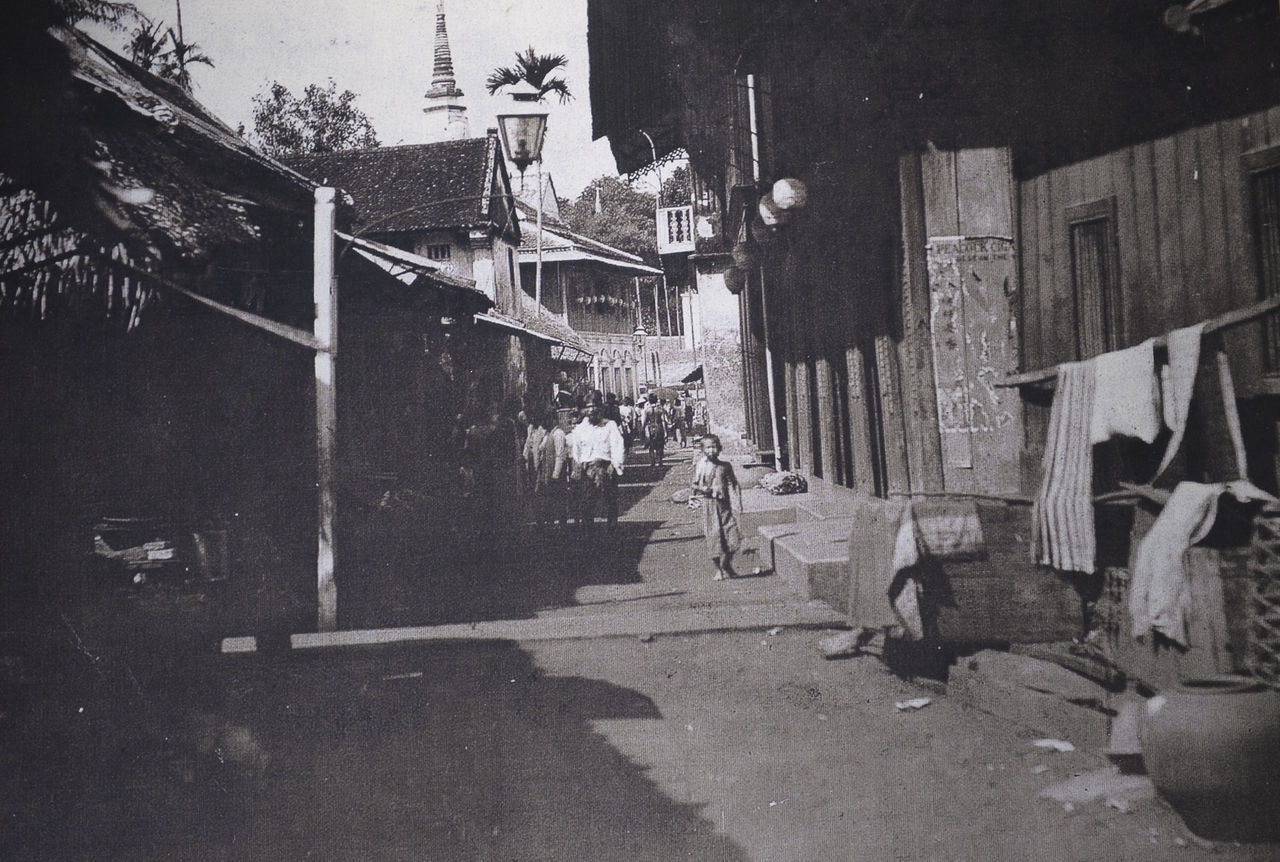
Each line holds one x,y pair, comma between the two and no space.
522,135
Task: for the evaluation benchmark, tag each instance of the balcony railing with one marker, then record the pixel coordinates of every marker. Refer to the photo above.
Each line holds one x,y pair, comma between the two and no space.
675,230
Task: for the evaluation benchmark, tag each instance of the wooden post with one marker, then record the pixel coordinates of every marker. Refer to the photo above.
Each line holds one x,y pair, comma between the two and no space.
920,407
789,384
826,418
537,270
803,426
325,294
861,452
897,469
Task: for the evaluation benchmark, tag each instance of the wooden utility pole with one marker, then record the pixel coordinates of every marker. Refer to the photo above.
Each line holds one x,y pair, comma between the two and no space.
325,294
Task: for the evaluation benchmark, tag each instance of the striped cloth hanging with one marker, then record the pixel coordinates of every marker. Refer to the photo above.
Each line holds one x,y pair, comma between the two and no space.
1062,515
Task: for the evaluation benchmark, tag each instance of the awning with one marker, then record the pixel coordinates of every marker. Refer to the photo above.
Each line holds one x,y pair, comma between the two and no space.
405,266
561,349
571,255
561,245
693,376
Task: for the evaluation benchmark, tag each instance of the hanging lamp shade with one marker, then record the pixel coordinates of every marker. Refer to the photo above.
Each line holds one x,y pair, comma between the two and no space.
790,194
524,127
772,214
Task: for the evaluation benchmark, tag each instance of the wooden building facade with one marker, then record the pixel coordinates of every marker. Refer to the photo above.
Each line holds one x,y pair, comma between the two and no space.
991,188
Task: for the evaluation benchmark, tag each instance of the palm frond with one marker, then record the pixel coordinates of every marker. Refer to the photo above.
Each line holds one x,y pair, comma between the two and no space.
535,69
503,76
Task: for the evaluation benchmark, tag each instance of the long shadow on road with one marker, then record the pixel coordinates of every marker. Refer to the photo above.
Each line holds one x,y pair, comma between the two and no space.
396,579
443,751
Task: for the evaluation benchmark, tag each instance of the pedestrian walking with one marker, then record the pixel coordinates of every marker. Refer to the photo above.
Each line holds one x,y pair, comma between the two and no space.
655,430
628,424
675,415
598,459
714,486
550,476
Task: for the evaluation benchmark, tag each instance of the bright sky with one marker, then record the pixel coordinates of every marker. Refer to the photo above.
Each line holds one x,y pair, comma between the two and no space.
383,50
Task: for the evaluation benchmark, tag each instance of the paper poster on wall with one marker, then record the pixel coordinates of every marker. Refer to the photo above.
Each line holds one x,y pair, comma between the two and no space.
970,284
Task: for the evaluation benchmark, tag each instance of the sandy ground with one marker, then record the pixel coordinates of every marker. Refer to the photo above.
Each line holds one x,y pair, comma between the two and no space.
731,745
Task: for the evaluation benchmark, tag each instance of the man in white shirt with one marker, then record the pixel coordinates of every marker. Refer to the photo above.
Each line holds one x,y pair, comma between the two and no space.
598,458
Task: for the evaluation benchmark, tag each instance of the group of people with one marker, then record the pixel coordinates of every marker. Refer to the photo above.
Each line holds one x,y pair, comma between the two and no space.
571,456
655,421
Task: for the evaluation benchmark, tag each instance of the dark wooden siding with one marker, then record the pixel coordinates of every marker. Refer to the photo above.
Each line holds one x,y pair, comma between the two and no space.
1184,243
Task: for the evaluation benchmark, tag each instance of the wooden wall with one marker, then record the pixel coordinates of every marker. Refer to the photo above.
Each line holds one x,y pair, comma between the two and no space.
965,319
1184,238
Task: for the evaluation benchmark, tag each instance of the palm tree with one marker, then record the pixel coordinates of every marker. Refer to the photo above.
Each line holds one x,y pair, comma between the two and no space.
534,69
146,46
181,55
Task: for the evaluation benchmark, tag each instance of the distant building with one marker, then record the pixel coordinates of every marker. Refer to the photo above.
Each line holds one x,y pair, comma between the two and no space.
451,203
446,115
590,286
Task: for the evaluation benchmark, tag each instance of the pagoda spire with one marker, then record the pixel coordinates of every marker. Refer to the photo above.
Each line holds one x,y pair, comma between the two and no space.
446,116
442,80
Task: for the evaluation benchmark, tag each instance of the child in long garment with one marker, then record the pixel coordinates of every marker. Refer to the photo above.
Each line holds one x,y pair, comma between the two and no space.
713,483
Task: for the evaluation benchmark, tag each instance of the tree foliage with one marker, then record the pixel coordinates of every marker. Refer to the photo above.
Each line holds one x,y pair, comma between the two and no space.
322,121
534,69
626,214
114,15
625,219
161,50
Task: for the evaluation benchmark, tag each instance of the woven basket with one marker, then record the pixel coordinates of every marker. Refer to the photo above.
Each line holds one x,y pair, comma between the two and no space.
1263,609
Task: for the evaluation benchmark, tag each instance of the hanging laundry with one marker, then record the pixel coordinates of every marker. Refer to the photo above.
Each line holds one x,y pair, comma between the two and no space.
1231,414
883,543
1126,399
891,536
1177,382
1159,592
1062,515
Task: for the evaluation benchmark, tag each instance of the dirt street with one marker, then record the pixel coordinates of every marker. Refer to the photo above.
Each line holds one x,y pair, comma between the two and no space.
738,744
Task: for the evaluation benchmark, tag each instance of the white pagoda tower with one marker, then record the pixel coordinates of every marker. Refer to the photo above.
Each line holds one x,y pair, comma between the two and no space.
446,115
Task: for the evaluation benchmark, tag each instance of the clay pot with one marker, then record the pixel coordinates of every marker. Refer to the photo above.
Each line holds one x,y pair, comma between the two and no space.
790,194
734,279
1212,747
762,233
772,214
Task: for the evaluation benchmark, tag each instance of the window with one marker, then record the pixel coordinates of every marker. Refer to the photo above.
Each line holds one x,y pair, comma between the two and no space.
1095,278
1264,194
441,251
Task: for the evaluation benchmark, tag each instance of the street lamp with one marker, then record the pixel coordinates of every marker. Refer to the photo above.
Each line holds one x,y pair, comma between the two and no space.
522,135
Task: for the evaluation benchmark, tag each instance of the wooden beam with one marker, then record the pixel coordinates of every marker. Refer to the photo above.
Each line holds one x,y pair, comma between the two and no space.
826,418
920,397
282,330
861,452
897,469
1228,320
325,294
803,426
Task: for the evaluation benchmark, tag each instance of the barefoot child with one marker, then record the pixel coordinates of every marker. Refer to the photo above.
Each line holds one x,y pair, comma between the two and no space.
713,481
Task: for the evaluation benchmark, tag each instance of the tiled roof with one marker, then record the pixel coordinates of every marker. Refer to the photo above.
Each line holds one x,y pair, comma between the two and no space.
411,188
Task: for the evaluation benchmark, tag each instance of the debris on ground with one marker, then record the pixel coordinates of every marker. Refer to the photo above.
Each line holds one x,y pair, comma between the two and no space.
646,638
846,643
784,482
1059,745
1107,783
1119,803
1039,769
774,630
913,703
